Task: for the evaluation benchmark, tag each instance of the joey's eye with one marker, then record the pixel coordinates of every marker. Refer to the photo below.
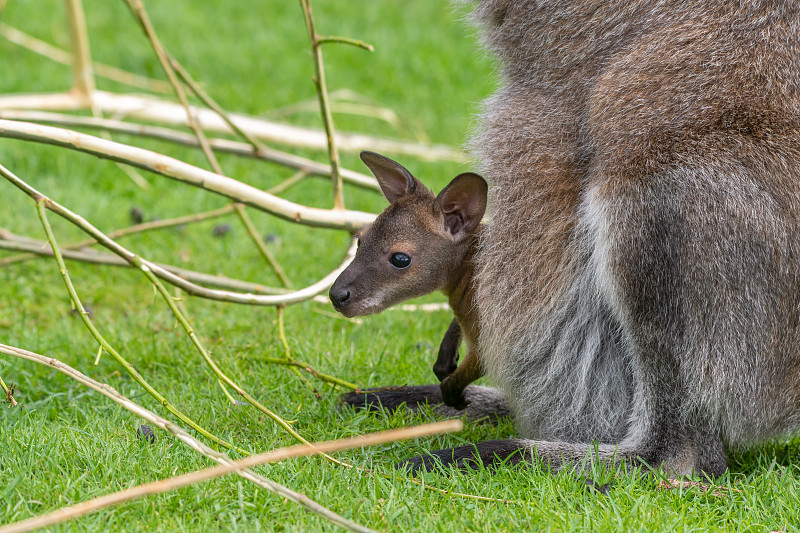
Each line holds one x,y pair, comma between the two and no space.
400,260
358,243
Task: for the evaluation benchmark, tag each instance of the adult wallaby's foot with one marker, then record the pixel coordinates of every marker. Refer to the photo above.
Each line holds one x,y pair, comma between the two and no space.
484,403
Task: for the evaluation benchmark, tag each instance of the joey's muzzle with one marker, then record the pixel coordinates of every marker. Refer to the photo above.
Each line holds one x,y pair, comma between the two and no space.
339,296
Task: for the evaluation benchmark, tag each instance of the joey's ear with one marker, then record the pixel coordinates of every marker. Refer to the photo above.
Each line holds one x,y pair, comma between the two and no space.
394,179
463,203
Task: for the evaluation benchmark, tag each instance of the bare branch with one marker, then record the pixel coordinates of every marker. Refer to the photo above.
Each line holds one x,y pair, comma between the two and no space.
164,112
181,435
186,173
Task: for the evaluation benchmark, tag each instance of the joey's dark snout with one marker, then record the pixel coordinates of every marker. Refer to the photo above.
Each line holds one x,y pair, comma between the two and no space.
339,296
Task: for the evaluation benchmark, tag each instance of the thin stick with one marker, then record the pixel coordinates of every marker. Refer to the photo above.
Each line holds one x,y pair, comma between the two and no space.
324,104
116,234
333,380
181,435
42,249
303,164
210,361
186,173
268,256
82,73
40,208
293,368
8,392
211,103
191,288
58,55
166,112
345,40
138,10
273,456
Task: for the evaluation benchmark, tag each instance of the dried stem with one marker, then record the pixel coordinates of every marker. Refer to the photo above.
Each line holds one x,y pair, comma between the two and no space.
181,317
268,256
58,55
293,368
303,164
42,249
273,456
181,435
324,104
166,112
82,73
41,209
9,393
137,7
335,39
186,173
211,103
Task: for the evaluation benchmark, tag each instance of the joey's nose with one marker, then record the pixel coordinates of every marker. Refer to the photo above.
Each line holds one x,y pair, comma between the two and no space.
339,296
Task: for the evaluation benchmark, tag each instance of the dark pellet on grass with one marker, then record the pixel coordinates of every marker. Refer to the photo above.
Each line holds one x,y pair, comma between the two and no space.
137,217
144,432
271,238
222,229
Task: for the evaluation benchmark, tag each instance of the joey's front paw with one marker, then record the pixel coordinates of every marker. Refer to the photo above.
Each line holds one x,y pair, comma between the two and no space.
443,369
453,394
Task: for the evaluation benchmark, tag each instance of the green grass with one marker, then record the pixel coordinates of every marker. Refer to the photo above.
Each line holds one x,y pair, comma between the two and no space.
69,444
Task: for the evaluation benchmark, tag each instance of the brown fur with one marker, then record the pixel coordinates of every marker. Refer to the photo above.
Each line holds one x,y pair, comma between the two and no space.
439,235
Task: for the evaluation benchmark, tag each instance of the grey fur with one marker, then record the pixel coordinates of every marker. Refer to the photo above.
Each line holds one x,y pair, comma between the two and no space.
638,283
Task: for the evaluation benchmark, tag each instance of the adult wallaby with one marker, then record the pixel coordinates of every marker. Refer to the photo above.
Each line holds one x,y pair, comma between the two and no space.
420,244
639,285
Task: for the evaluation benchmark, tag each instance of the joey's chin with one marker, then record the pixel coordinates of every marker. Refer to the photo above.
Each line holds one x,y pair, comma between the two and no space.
365,307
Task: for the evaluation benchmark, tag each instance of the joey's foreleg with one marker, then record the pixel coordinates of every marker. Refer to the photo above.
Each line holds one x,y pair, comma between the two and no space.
447,361
453,385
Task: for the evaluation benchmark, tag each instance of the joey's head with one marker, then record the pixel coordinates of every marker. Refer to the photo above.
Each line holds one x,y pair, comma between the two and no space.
415,246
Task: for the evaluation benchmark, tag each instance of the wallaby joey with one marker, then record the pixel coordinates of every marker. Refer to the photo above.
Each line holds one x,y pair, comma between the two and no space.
420,244
638,287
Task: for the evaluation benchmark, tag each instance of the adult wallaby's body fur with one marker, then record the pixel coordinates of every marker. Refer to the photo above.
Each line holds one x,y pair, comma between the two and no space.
419,244
639,284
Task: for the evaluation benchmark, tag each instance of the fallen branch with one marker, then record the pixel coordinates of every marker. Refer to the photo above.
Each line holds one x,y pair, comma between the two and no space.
310,167
186,173
164,112
181,435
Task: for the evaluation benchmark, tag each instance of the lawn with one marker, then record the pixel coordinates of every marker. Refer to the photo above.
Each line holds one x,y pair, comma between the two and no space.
69,444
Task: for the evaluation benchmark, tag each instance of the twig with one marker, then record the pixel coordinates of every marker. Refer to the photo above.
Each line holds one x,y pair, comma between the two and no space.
324,104
138,10
293,368
211,103
289,182
42,249
179,315
281,454
40,208
333,380
268,256
303,164
166,112
283,298
82,73
9,392
181,435
58,55
186,173
344,40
